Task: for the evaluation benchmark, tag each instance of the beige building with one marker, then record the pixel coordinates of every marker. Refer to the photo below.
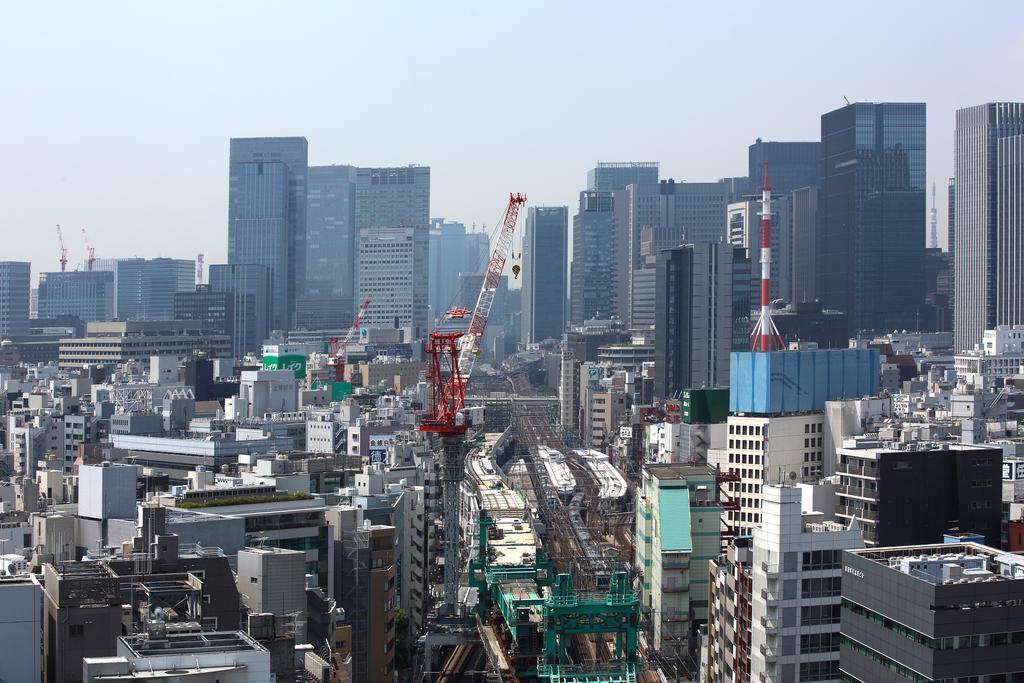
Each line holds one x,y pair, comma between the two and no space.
762,449
118,342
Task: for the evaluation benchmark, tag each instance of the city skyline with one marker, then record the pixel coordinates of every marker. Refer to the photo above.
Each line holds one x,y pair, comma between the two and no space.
105,124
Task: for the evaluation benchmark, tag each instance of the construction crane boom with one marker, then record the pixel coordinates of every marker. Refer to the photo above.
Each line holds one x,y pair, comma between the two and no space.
63,250
492,278
90,251
336,348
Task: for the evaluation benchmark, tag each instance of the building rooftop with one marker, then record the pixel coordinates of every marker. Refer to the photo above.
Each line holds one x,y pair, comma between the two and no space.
209,642
513,544
949,563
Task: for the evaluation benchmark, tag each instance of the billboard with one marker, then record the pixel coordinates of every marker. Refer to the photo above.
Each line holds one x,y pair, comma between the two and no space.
704,406
1013,470
294,362
378,454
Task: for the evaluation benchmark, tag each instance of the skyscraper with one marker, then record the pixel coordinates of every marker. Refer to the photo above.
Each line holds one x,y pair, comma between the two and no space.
791,165
267,215
988,242
609,176
545,253
144,289
805,232
386,258
330,241
872,214
702,297
87,294
15,282
394,199
593,258
249,285
453,252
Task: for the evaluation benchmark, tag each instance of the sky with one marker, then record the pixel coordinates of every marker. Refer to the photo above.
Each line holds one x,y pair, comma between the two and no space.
116,116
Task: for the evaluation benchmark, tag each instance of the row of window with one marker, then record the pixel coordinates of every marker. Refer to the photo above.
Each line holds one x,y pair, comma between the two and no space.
946,643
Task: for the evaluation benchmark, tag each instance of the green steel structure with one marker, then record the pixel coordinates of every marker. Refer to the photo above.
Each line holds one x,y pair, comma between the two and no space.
537,618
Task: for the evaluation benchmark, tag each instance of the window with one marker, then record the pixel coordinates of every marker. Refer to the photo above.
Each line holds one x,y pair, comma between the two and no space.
76,630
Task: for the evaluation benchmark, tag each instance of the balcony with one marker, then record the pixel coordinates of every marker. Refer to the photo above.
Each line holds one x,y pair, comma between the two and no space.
770,596
858,470
768,653
769,625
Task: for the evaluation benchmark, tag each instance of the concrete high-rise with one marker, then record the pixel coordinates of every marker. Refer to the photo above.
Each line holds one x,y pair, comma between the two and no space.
609,176
702,295
386,258
267,215
791,165
144,289
330,242
545,246
796,582
15,283
872,215
593,258
249,285
391,199
988,215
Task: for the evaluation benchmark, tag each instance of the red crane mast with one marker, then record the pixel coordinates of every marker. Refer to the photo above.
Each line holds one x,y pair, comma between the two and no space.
336,348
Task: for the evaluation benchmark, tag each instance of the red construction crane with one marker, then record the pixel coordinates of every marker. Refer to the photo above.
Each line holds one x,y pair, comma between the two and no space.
90,251
453,354
336,348
451,357
63,250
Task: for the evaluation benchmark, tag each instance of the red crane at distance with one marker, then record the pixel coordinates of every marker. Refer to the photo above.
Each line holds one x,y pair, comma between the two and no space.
63,250
336,348
90,251
453,354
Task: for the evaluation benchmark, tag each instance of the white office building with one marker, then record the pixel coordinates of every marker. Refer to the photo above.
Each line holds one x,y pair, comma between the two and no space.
796,590
385,276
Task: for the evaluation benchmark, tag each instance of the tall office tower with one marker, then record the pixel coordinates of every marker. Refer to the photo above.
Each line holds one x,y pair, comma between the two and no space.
267,216
791,165
144,289
453,252
215,309
386,276
609,176
988,245
249,285
88,294
593,258
951,246
391,199
744,219
797,591
545,254
805,221
676,213
872,215
700,293
15,283
330,247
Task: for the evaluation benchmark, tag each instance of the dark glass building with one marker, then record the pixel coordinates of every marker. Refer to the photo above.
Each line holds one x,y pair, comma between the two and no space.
872,215
216,309
250,286
544,257
791,165
593,258
267,216
330,248
702,313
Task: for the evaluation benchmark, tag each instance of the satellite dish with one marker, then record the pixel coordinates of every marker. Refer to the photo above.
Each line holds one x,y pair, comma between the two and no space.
792,476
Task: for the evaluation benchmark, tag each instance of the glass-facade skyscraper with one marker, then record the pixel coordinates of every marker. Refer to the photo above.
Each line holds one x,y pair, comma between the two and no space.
872,215
609,176
593,258
15,283
330,249
267,215
791,165
88,294
250,286
144,289
544,256
987,220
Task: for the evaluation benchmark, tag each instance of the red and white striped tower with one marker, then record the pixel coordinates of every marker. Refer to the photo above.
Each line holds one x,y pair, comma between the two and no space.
765,336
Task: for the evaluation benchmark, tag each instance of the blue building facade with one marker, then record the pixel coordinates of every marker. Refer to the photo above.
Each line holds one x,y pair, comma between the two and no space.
800,381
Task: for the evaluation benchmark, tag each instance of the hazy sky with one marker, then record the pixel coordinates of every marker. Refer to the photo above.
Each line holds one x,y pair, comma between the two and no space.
116,116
